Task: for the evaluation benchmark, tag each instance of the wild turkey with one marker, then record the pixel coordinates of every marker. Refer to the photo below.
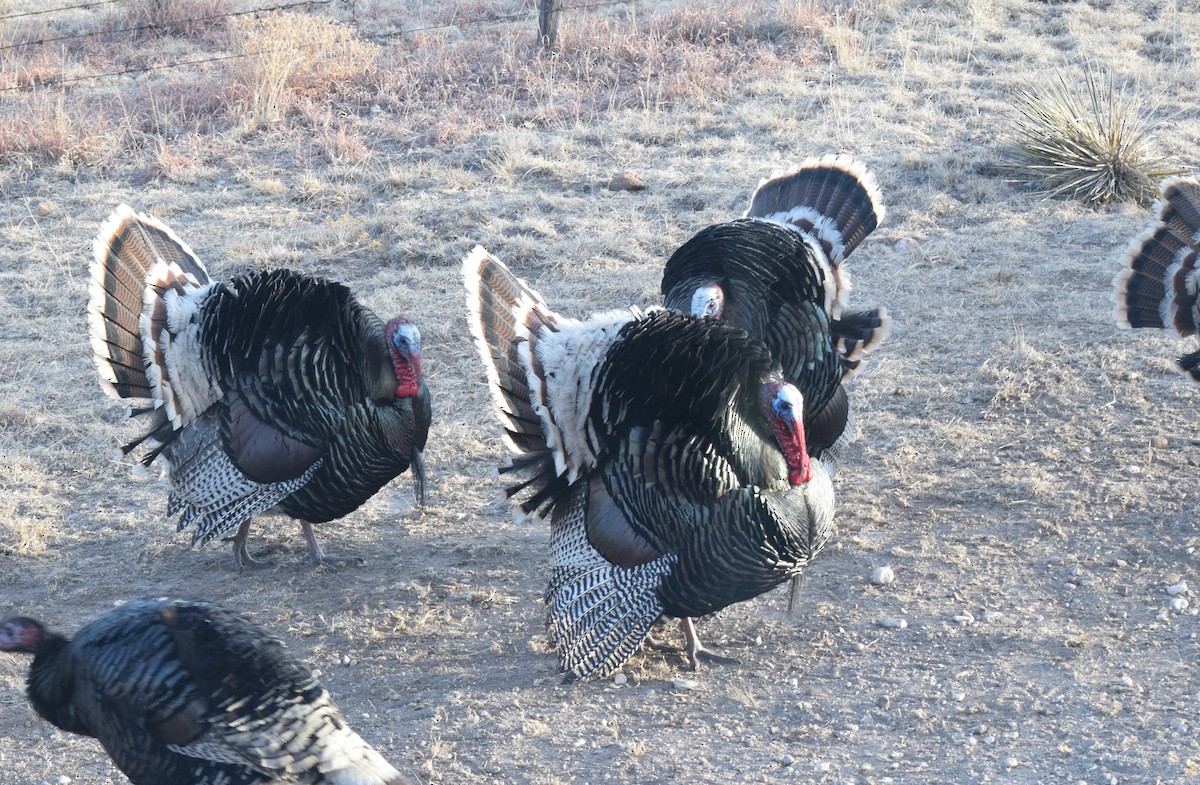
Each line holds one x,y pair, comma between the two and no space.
669,452
272,390
777,273
188,693
1160,281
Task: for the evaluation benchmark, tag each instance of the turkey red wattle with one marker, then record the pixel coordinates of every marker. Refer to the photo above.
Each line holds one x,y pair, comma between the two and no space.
784,407
404,343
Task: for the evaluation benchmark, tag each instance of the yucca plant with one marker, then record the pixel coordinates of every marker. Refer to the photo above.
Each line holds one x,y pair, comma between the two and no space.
1091,144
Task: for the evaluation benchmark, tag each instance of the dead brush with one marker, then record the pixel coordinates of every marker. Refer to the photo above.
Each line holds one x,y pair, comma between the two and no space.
1092,144
289,56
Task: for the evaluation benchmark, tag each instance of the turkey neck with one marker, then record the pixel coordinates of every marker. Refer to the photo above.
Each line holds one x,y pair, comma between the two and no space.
51,683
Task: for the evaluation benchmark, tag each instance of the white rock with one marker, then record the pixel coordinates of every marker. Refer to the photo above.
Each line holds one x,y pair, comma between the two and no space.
685,684
965,618
1177,588
620,678
1125,681
893,623
1011,763
1133,468
882,576
786,760
991,616
1178,603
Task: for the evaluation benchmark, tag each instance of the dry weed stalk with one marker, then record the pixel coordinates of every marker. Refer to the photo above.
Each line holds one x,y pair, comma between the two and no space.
1091,144
290,55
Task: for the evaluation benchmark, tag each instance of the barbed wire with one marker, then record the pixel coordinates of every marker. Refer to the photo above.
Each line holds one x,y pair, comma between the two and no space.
161,26
56,10
224,58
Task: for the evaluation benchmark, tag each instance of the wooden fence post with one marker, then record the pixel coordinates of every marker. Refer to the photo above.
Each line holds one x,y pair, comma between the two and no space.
549,12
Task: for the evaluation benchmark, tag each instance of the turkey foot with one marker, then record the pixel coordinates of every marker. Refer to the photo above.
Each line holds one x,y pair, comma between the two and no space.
696,651
241,557
320,559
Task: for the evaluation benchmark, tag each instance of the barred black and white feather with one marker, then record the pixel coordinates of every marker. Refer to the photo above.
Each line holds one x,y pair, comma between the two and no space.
779,274
189,693
271,390
667,450
1159,285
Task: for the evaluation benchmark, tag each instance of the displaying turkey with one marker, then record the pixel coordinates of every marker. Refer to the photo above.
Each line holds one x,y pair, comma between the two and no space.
1160,282
273,390
182,692
778,274
669,452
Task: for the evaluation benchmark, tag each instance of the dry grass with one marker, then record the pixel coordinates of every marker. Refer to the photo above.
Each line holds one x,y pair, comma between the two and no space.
289,56
1010,454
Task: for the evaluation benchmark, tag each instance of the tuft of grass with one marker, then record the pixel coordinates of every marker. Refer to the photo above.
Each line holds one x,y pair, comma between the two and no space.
174,17
290,56
1092,144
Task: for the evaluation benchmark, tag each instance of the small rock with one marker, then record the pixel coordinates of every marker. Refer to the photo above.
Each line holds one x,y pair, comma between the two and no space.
1011,763
893,623
883,576
1179,724
821,765
1133,468
965,618
1178,603
626,181
1158,442
685,684
907,244
45,208
620,678
786,760
1125,681
991,616
1177,588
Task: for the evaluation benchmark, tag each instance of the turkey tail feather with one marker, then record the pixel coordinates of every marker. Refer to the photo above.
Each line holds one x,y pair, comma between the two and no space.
1157,286
856,334
138,263
835,199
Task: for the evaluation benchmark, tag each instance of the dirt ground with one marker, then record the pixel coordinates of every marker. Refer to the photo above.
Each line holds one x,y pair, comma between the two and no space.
1025,468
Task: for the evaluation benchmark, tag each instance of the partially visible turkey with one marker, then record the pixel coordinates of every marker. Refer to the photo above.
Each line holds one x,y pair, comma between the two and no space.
1160,283
274,390
182,692
777,273
669,452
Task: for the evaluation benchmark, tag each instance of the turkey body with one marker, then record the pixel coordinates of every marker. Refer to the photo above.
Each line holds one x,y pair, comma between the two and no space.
273,390
1159,284
778,274
188,693
668,452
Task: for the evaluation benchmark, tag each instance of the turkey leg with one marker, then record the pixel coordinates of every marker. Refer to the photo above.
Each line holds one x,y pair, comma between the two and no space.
695,649
320,559
241,557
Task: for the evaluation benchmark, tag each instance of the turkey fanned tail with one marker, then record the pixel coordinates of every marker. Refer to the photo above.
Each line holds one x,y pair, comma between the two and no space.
834,199
1159,284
